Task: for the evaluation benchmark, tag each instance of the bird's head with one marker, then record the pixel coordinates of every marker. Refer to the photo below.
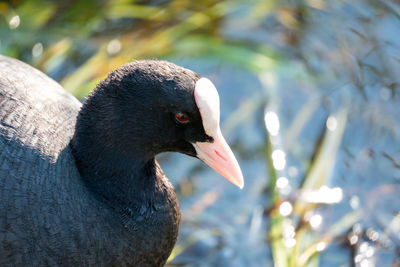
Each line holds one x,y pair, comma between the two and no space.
158,106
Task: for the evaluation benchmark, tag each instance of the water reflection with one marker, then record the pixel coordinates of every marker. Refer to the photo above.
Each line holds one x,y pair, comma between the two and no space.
315,221
289,233
282,182
283,186
353,238
37,50
331,123
285,209
323,195
114,46
364,257
290,242
14,22
272,123
372,234
321,246
279,159
354,202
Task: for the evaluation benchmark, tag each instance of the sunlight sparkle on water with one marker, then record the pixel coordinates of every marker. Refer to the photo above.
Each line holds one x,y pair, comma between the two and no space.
372,234
363,247
370,252
354,202
324,195
114,46
282,182
288,233
353,238
357,229
331,123
272,123
37,50
285,208
279,159
357,258
321,246
290,242
315,221
365,255
288,229
364,263
14,22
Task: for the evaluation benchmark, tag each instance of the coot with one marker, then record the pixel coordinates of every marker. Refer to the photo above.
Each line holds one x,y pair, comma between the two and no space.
79,184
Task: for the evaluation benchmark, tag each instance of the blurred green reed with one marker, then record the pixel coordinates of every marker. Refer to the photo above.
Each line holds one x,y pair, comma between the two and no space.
304,244
292,212
95,37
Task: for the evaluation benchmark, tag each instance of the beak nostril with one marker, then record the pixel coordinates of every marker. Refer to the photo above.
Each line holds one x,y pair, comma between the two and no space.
219,155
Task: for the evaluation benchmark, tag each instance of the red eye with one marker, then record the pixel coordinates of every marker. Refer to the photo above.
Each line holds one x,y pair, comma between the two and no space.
181,117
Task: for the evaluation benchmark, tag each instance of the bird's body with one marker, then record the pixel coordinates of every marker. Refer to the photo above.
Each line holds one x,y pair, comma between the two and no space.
44,195
92,201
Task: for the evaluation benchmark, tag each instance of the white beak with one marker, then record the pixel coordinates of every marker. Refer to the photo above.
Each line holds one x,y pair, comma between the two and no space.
217,154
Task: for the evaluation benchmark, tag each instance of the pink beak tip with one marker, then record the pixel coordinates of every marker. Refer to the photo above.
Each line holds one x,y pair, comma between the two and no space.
236,179
241,186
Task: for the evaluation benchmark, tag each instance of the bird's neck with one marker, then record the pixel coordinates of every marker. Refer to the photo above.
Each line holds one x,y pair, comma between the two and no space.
116,167
138,194
134,187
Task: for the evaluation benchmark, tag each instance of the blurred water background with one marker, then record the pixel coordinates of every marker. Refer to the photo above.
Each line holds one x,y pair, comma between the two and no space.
310,99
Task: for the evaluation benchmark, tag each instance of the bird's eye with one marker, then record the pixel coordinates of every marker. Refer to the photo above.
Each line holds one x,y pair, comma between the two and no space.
181,117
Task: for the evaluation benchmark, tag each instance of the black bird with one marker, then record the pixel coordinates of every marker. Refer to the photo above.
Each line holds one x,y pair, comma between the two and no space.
79,184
